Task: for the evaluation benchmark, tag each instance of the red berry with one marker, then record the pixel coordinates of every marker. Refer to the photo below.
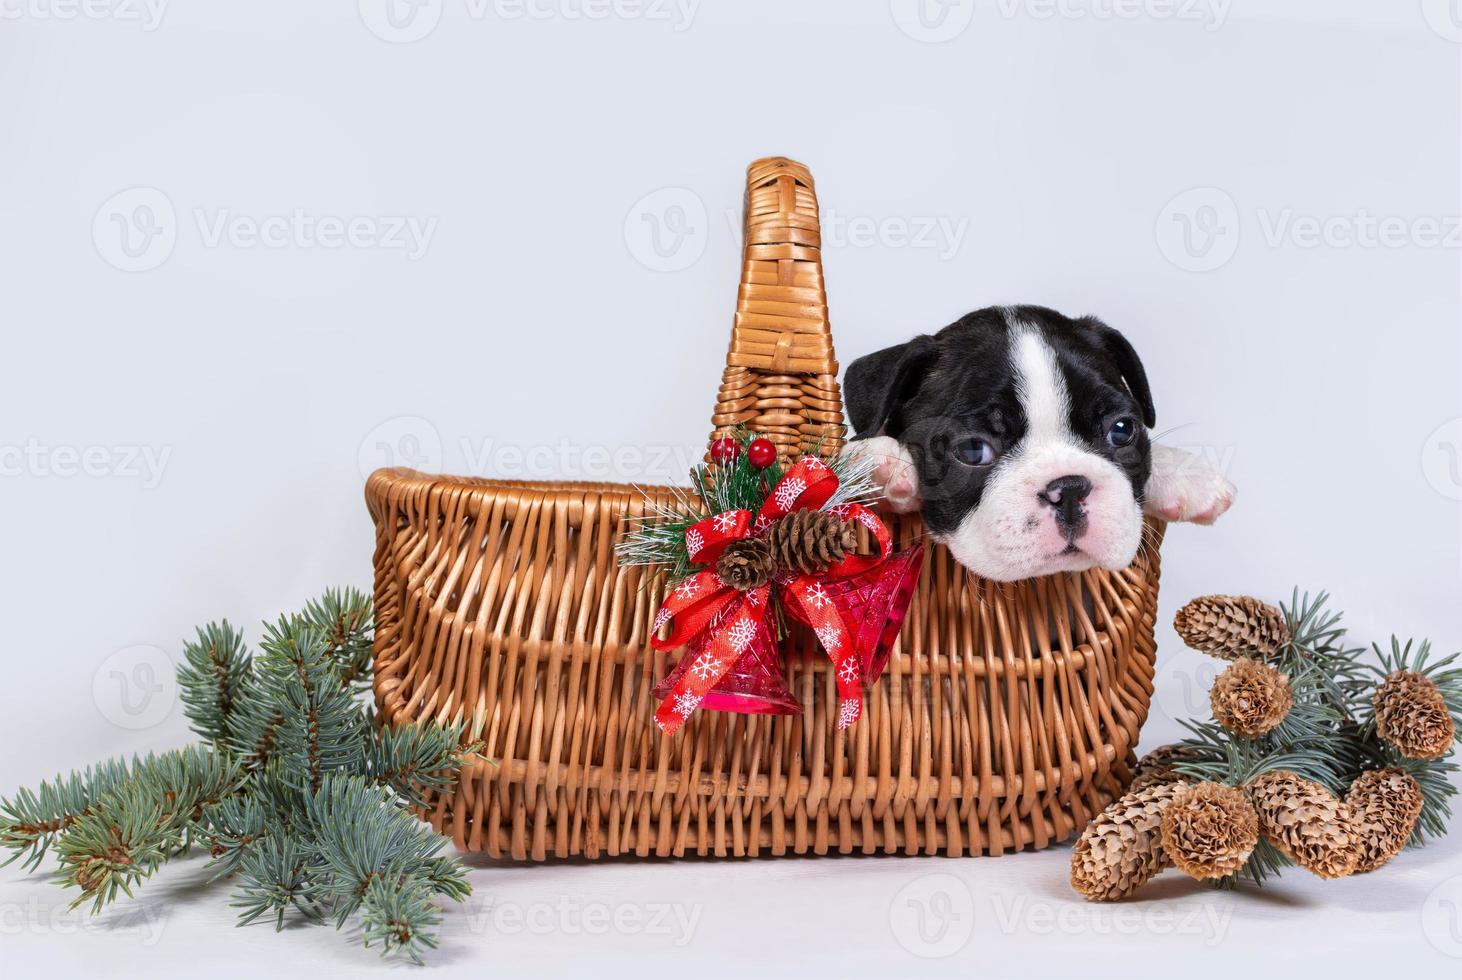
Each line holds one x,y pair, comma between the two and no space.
761,453
724,450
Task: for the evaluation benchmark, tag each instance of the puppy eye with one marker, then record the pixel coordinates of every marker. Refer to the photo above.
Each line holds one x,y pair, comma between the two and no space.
974,452
1122,432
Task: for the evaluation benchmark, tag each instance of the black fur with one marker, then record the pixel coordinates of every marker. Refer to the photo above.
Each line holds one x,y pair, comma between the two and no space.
936,391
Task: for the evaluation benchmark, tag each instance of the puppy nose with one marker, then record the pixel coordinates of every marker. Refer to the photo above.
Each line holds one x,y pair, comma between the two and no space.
1065,495
1066,490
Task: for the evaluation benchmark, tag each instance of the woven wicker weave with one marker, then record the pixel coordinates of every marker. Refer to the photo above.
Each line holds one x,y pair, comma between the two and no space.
1006,718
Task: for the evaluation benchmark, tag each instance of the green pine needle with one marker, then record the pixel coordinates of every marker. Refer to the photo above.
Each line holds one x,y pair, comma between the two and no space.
302,800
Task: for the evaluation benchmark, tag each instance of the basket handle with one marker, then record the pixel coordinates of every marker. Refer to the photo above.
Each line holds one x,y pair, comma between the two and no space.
781,377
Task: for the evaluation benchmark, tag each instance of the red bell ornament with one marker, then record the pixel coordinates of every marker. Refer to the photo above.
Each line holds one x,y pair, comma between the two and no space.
753,685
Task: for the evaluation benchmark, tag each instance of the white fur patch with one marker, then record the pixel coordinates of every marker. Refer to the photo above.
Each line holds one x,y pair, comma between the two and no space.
1186,487
894,471
1013,534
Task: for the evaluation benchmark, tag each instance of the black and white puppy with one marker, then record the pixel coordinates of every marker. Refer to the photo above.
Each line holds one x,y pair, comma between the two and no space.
1023,437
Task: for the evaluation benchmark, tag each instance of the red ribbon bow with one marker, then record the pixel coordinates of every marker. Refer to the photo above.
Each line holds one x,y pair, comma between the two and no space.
723,623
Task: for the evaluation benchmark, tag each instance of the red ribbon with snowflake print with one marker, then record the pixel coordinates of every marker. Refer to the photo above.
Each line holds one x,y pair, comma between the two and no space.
722,622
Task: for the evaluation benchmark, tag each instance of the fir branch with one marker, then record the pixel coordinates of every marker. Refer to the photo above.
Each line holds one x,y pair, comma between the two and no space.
419,760
275,876
401,916
343,617
364,840
217,669
33,820
133,829
323,725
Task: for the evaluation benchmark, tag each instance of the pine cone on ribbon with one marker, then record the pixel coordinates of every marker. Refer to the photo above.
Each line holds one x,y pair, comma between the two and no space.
1412,716
1384,806
1122,848
1232,626
1250,698
1306,823
746,564
1209,830
808,541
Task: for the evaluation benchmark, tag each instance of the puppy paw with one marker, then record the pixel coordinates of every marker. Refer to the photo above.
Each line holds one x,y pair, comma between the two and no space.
893,470
1186,487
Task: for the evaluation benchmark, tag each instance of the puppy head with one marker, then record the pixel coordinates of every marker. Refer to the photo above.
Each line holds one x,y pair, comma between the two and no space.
1027,434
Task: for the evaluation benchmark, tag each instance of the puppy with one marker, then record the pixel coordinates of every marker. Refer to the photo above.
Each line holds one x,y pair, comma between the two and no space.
1023,437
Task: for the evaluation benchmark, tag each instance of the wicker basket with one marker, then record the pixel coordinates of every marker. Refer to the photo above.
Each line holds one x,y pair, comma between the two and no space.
1006,718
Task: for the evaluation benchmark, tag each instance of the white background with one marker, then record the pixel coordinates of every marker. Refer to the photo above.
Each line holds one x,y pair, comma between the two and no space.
187,412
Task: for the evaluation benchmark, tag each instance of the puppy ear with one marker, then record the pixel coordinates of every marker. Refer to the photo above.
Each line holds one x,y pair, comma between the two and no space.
1129,364
876,383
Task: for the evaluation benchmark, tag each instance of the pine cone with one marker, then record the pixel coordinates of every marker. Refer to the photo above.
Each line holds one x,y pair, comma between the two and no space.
1156,767
809,541
1250,698
1156,776
1232,626
1122,848
1209,830
1412,716
746,564
1306,823
1384,807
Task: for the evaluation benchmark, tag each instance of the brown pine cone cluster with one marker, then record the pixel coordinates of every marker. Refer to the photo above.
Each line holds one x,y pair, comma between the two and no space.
1384,806
809,541
1250,698
1232,626
1306,823
1412,716
1209,830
